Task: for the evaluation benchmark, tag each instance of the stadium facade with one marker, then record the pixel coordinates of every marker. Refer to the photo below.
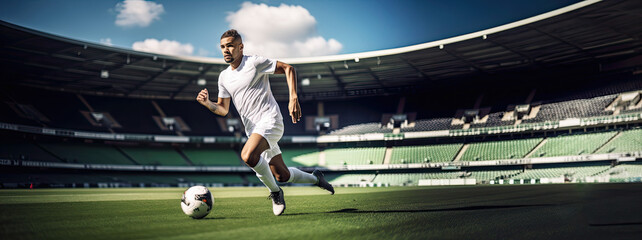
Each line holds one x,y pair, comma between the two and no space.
550,99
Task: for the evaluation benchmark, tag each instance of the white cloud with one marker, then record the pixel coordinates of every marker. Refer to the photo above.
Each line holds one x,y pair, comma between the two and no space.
164,47
137,13
106,41
203,52
283,31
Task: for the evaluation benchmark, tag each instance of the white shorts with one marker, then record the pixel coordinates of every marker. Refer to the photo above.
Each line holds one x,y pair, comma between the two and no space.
272,131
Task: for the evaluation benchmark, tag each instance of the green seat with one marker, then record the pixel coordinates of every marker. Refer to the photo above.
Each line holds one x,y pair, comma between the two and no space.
628,141
423,154
573,144
88,153
212,157
155,156
354,156
498,150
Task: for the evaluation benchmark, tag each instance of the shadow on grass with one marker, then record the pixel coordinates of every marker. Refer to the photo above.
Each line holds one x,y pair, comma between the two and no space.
469,208
220,218
614,224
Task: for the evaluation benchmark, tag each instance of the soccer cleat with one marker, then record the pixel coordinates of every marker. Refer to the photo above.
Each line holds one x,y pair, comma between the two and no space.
278,202
322,183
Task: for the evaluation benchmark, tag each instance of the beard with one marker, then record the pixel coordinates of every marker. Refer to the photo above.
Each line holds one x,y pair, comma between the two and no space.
229,61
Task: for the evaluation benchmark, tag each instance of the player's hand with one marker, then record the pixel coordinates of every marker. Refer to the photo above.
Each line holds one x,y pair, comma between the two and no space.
203,97
295,110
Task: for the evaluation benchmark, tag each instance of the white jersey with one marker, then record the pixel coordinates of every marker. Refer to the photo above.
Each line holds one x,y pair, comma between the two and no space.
249,87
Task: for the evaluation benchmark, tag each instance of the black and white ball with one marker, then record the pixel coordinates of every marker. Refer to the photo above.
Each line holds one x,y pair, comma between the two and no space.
197,202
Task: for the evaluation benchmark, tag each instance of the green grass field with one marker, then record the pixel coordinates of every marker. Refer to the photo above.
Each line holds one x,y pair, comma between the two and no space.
362,213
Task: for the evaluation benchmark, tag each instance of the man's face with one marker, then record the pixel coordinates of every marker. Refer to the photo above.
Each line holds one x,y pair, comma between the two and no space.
232,49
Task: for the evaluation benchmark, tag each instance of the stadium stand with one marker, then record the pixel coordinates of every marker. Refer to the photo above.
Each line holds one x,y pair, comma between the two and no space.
624,171
578,144
573,109
64,112
87,153
122,179
496,150
212,157
403,179
362,128
494,119
432,125
155,156
558,77
575,172
359,110
300,156
412,179
200,120
354,156
135,115
27,152
487,176
349,179
627,141
423,154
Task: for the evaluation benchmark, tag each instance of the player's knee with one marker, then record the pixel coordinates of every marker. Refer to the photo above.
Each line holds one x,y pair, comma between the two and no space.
249,158
246,156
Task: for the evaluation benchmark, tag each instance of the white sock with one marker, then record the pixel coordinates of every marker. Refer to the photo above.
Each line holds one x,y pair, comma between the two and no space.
263,172
298,176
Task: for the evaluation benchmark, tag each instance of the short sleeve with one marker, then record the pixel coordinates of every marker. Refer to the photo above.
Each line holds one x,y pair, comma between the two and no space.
264,65
222,92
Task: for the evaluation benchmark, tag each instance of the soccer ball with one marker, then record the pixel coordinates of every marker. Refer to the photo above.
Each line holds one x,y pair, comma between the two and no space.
197,202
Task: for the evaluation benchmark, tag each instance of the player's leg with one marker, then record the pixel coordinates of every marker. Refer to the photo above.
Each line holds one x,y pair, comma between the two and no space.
251,155
285,174
294,175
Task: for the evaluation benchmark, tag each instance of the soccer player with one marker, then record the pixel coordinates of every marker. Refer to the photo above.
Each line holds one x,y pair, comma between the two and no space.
246,82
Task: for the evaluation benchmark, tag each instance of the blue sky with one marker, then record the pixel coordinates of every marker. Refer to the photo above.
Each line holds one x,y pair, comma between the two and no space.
282,28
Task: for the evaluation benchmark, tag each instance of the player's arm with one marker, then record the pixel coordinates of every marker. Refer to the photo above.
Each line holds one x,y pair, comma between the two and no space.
290,75
221,108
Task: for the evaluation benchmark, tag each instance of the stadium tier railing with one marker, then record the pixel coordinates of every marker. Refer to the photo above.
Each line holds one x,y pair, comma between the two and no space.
567,124
618,157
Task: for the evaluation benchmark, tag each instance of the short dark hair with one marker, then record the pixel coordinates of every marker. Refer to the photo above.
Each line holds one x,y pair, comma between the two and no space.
232,33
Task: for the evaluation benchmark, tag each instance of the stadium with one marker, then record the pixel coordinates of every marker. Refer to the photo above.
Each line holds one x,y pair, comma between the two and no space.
526,130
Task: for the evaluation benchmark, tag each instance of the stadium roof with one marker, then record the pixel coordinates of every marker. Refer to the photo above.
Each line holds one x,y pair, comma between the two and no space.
586,32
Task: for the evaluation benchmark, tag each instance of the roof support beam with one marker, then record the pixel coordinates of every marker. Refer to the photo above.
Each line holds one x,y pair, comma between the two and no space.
525,56
559,39
340,82
80,63
167,68
473,65
423,74
200,75
377,79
